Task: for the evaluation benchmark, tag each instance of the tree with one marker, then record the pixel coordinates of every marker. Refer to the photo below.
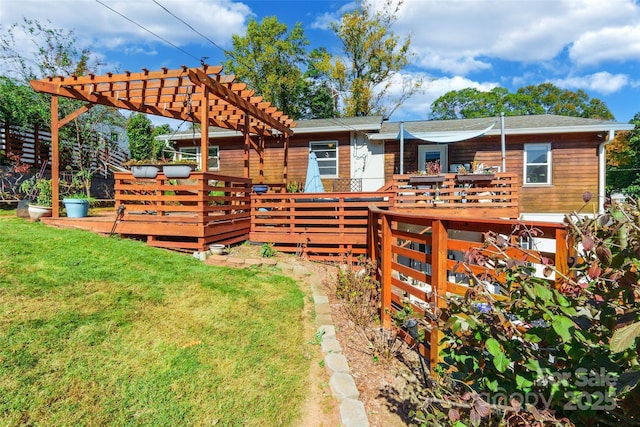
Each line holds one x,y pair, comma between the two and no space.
56,54
269,59
623,161
141,141
318,101
541,99
373,56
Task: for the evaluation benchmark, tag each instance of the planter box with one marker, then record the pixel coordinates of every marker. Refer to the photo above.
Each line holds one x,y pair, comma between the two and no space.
145,171
475,177
426,179
177,170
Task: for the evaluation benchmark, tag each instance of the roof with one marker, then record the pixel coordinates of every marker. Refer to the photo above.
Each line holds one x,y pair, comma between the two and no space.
189,94
378,130
513,125
342,124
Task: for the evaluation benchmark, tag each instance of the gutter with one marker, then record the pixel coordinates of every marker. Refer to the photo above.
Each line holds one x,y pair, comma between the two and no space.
602,171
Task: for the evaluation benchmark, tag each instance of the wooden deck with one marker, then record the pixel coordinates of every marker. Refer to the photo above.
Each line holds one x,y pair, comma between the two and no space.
209,208
419,259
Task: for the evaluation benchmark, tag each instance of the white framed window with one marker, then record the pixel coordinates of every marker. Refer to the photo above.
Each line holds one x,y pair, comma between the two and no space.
537,164
327,155
193,153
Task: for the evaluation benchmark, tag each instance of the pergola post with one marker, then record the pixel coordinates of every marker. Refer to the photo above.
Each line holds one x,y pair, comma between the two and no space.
55,158
204,130
247,145
261,159
286,162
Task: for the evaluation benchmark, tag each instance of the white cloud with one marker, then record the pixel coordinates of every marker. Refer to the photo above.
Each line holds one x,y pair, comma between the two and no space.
607,44
99,27
418,106
602,82
468,34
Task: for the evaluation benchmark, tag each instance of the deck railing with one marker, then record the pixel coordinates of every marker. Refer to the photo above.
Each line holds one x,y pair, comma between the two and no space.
421,258
324,226
493,195
210,208
191,213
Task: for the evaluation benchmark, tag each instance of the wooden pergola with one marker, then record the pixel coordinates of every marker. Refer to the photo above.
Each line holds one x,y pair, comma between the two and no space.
199,95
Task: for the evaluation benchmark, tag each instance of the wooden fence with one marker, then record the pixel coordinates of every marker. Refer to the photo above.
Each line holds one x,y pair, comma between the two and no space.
420,259
474,195
33,145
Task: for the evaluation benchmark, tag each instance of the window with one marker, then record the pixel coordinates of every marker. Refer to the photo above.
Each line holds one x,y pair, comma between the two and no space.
327,154
432,153
193,153
537,164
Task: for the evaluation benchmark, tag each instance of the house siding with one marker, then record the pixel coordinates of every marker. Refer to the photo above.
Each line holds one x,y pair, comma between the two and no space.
574,166
232,157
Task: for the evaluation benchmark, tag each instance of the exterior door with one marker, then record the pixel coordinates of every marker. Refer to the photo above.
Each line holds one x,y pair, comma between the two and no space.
431,153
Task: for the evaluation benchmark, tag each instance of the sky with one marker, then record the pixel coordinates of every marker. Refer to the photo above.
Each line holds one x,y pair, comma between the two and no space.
593,45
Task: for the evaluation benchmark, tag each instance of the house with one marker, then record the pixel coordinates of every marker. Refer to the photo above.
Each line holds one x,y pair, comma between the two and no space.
556,158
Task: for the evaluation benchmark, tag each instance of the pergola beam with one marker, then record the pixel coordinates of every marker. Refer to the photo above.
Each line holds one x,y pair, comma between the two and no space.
201,95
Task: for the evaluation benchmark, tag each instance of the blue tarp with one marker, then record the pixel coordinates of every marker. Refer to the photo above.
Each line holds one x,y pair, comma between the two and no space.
313,184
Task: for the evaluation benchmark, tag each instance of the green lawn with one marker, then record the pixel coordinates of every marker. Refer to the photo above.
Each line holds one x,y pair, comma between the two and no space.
108,331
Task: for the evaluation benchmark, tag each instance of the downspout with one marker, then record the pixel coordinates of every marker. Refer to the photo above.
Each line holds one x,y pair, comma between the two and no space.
401,148
503,148
602,171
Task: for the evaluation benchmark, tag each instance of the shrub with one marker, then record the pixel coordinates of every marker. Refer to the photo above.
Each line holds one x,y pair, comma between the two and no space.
571,348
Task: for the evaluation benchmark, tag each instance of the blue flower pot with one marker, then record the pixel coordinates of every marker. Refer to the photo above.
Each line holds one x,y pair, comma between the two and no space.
76,208
260,188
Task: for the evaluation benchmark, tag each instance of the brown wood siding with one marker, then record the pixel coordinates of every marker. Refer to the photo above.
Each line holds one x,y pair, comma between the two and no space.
232,155
574,166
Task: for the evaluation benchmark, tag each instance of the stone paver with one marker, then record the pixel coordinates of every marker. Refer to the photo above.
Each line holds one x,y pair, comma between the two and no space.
353,413
343,386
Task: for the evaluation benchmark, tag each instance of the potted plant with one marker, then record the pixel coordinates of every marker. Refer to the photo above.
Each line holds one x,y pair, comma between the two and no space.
77,205
479,174
40,191
430,175
145,168
180,168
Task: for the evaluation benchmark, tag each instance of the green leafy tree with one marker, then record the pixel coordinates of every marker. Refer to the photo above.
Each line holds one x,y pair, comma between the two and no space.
20,104
56,54
623,161
541,99
142,145
269,59
318,100
373,55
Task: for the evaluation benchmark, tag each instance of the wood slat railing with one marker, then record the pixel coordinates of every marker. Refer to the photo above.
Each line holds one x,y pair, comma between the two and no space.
192,213
496,197
324,226
419,259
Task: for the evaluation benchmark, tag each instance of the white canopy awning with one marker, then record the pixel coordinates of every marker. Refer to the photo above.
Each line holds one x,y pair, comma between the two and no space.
445,137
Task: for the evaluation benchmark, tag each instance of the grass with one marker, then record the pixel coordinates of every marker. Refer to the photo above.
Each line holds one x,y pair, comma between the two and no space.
107,331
